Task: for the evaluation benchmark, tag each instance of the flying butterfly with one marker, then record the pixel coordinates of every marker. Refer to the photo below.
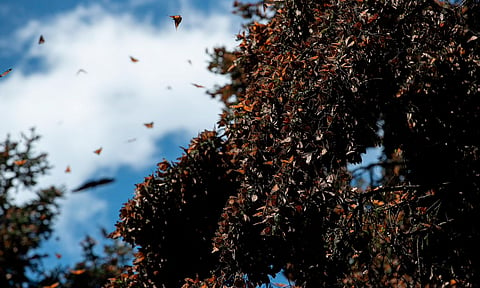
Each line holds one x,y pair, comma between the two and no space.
148,125
81,71
198,86
177,19
6,72
98,151
68,170
41,40
94,183
133,59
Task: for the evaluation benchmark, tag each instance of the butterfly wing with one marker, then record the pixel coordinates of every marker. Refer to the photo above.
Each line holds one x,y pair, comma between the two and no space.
177,19
6,72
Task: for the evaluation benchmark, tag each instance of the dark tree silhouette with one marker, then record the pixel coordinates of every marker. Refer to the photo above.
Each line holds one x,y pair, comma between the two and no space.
25,226
311,88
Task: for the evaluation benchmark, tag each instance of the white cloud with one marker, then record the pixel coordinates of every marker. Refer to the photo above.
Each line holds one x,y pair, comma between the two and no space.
76,114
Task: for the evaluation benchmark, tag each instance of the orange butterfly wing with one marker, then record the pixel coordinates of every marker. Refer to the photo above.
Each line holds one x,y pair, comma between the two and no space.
98,151
20,162
6,72
78,272
148,125
54,285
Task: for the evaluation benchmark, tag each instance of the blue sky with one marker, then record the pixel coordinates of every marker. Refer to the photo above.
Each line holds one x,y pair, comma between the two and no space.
108,105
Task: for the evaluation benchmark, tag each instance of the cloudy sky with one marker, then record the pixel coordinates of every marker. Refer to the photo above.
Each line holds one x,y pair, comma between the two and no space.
107,105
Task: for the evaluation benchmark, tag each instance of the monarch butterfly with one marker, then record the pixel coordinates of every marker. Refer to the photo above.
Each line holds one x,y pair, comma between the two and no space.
78,272
41,40
98,151
148,125
177,19
20,162
81,71
198,86
6,72
68,170
54,285
94,183
133,59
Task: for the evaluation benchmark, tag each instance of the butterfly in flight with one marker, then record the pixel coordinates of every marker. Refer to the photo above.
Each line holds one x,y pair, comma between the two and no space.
6,72
133,59
93,183
68,170
177,19
198,86
81,71
41,40
98,151
148,125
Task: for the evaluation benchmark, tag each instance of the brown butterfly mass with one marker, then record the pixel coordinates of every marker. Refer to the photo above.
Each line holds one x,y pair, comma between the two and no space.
177,19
